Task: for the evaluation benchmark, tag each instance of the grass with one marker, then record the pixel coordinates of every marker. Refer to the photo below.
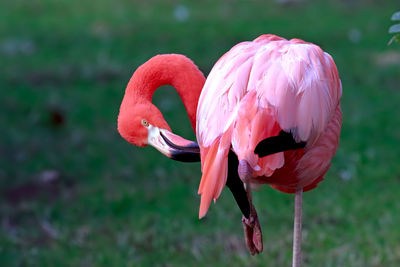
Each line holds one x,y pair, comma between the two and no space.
65,67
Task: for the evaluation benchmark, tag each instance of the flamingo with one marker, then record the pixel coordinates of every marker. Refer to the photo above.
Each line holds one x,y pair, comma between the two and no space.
269,113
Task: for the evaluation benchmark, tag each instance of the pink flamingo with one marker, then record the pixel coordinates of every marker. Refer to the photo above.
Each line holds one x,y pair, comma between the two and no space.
269,113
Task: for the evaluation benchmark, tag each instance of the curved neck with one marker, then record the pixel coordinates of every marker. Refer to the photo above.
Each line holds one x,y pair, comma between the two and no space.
170,69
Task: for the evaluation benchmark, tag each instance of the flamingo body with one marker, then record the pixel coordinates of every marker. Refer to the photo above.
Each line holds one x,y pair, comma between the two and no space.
256,90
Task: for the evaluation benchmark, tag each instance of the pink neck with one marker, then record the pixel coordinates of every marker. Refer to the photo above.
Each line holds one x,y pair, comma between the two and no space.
169,69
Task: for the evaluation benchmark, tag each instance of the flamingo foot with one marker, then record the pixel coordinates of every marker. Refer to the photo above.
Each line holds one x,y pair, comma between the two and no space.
252,232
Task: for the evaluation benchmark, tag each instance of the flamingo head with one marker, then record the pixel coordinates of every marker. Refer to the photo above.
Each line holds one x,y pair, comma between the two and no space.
136,121
143,124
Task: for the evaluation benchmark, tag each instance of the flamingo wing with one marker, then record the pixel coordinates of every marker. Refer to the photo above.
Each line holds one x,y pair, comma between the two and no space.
253,92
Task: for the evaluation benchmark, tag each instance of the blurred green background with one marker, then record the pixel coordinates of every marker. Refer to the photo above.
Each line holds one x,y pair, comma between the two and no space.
74,193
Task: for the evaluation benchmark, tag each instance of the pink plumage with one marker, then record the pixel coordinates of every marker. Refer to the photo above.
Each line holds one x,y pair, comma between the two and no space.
253,92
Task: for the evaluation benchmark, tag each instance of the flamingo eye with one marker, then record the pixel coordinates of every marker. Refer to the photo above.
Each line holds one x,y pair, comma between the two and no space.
145,123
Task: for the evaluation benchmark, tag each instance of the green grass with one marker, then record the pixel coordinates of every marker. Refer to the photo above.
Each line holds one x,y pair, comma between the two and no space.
118,205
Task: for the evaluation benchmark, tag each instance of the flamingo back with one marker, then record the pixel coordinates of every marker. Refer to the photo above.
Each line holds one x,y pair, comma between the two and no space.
253,92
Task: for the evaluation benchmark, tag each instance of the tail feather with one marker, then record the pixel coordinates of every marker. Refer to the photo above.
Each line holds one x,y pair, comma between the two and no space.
215,169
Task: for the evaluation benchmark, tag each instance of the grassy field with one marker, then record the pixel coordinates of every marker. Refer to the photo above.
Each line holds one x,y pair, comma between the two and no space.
74,193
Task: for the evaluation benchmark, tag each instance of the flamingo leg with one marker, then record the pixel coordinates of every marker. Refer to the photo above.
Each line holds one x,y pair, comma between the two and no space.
243,197
283,142
252,228
236,185
251,225
297,256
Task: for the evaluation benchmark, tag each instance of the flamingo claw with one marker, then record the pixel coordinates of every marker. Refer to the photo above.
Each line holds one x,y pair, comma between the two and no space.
252,233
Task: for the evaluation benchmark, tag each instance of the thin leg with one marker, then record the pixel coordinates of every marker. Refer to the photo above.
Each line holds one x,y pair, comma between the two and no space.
243,197
251,227
248,191
297,257
236,185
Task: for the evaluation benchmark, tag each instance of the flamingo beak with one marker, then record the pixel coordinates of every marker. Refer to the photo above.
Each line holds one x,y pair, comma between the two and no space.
172,145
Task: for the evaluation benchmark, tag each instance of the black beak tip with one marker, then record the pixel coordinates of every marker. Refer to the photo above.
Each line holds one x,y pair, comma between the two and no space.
185,156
